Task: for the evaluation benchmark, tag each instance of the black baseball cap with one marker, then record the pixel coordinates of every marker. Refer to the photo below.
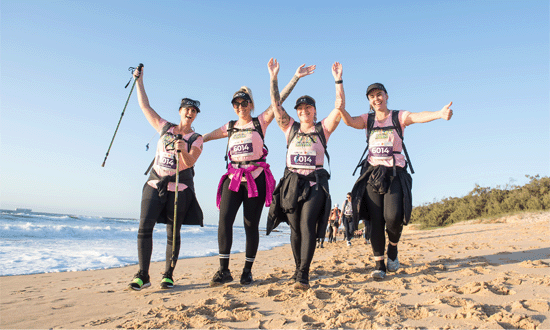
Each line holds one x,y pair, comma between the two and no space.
376,86
305,99
190,103
242,95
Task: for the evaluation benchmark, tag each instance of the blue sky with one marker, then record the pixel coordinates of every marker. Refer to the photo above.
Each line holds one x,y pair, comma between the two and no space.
64,66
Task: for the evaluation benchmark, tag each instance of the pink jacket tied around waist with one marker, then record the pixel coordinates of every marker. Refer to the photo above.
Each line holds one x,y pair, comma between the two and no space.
251,184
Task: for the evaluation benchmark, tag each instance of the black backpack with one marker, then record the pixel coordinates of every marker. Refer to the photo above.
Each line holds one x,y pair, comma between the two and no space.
396,126
231,129
318,131
163,131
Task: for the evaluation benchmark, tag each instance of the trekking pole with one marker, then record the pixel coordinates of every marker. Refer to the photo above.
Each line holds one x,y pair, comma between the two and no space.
122,114
174,258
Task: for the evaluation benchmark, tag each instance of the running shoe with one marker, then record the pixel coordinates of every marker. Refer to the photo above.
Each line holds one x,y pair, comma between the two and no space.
140,281
349,243
221,277
246,277
378,274
167,281
301,286
393,265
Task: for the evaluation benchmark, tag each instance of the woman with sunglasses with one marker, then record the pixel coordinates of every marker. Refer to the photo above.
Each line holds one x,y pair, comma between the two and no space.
159,192
382,194
248,180
302,197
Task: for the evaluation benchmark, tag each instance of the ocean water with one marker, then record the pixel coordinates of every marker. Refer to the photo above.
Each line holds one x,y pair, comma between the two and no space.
34,242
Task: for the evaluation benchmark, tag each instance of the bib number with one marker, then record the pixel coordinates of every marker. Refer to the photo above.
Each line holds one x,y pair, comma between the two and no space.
303,159
167,161
380,145
242,147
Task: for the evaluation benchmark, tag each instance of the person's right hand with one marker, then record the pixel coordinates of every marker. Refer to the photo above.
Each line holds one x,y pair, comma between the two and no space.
304,70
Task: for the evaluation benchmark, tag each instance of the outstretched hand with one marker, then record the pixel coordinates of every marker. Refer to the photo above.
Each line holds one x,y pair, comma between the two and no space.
337,71
304,70
273,67
446,112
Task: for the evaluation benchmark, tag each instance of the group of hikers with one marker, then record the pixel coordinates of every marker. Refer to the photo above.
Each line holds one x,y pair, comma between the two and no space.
344,217
381,196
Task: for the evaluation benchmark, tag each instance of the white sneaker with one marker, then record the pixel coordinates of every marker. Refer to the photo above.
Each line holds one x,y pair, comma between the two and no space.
349,243
393,265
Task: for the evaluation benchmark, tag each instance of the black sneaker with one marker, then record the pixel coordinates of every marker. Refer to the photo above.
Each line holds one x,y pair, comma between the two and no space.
167,281
221,277
246,277
140,281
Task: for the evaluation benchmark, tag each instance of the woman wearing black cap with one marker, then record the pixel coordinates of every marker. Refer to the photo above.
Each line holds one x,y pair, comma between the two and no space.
159,192
248,180
382,194
302,197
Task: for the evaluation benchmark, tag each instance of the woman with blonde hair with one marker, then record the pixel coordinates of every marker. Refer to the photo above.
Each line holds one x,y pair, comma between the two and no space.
248,180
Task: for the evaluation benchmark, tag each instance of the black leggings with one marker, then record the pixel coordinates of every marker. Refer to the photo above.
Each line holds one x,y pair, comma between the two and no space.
385,212
252,211
153,210
303,230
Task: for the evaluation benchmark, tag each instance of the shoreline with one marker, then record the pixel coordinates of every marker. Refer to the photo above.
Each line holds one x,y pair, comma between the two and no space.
490,274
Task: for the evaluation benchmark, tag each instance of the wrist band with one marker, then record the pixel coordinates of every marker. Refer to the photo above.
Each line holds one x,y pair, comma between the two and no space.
338,81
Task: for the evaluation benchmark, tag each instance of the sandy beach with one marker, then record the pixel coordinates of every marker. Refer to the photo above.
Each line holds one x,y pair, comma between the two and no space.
487,274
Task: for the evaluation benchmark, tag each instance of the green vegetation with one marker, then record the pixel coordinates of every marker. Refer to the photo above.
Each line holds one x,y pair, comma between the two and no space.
483,202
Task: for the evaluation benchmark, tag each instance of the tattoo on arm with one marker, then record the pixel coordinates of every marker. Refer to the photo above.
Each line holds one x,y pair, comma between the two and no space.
275,97
288,88
283,120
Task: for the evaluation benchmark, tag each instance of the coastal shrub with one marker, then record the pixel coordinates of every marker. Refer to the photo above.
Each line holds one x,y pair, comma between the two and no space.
485,202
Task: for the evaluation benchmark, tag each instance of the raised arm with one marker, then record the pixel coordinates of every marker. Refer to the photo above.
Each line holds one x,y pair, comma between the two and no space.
301,72
334,117
282,118
152,117
427,116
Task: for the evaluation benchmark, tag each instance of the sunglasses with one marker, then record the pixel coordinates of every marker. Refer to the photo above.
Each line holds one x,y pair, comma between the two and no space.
243,104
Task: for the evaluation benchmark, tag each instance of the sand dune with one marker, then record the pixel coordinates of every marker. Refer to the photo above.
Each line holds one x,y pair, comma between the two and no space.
491,274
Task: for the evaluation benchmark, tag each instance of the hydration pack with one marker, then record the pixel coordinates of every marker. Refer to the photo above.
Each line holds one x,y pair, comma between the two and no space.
294,130
163,131
231,129
396,126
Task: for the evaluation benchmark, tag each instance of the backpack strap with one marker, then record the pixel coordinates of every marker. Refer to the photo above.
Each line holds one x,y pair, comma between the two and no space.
370,125
230,131
397,126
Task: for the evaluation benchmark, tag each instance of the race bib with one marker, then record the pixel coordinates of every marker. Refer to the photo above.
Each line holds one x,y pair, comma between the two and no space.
303,159
167,161
380,145
242,147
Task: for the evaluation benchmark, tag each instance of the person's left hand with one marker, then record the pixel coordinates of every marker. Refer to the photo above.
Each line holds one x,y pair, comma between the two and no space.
446,112
337,71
